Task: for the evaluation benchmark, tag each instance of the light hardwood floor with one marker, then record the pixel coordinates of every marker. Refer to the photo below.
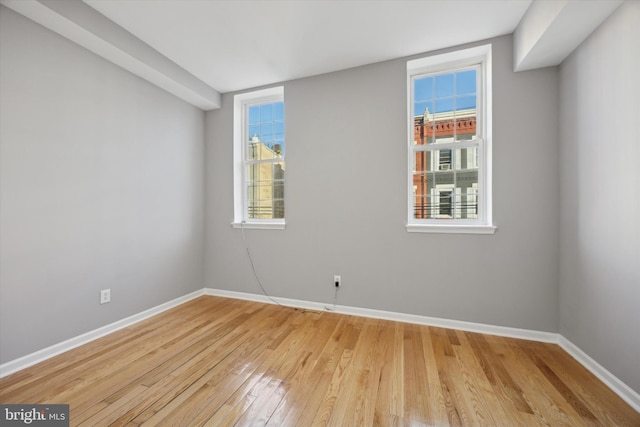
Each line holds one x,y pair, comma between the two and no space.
217,361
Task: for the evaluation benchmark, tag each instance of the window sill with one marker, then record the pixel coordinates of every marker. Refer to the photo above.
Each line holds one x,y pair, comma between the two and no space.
451,229
260,225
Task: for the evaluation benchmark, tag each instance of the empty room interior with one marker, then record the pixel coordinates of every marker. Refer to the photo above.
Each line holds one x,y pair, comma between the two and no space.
320,212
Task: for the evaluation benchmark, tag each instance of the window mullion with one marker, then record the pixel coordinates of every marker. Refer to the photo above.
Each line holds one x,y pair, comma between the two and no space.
447,145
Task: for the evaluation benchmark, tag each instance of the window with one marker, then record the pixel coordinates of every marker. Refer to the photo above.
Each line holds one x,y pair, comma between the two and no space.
445,160
449,177
445,204
259,157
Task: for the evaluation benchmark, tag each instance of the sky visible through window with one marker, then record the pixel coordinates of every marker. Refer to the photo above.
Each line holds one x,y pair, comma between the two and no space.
445,92
266,121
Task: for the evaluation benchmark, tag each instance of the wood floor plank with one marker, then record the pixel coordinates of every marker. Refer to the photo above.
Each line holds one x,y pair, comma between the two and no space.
343,338
476,386
549,408
577,377
382,408
219,361
137,364
372,351
242,361
416,409
352,395
300,386
436,396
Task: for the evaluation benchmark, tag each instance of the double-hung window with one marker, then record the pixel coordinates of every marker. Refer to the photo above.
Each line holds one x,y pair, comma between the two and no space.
259,159
449,131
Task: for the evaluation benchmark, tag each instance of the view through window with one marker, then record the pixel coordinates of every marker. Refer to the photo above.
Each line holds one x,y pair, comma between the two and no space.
264,160
445,145
259,151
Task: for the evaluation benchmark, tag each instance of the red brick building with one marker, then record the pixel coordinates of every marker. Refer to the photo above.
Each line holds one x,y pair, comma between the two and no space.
445,179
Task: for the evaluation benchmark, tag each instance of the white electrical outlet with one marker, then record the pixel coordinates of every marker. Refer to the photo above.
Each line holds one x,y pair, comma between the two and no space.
337,281
105,296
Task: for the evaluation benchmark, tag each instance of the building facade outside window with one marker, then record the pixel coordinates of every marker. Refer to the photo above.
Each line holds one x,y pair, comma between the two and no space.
449,175
259,159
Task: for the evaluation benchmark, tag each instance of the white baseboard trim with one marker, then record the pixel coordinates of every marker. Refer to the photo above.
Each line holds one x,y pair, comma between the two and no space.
503,331
15,365
621,389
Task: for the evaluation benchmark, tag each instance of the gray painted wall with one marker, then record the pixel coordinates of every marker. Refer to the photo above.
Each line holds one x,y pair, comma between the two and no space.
600,213
346,204
101,183
101,179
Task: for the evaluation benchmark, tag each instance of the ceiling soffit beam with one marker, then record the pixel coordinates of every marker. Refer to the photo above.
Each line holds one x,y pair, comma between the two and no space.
85,26
550,30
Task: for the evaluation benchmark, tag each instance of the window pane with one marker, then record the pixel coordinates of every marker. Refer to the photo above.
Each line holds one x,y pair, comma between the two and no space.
423,161
465,105
445,194
443,125
278,111
466,102
470,203
420,184
466,125
278,190
266,131
254,131
420,207
260,202
444,105
261,171
446,177
423,108
444,86
254,115
265,190
425,201
278,208
467,190
266,137
466,82
278,171
266,113
423,124
259,150
466,158
423,89
253,192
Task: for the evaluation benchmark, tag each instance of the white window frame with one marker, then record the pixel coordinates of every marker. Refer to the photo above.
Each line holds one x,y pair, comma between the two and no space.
240,137
479,56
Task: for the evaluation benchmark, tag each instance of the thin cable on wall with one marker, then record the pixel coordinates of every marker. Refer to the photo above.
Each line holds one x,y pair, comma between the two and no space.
335,301
255,274
253,267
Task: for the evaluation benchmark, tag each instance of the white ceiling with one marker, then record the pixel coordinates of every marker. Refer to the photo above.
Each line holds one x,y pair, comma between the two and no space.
233,45
198,49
